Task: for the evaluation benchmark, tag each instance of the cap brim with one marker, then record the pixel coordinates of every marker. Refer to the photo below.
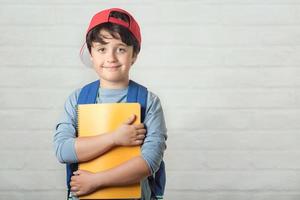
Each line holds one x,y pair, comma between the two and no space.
84,55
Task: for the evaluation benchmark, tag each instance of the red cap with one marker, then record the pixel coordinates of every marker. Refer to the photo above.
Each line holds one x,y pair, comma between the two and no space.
103,17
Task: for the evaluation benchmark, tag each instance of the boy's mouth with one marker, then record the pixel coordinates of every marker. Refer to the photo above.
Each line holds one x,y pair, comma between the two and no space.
111,67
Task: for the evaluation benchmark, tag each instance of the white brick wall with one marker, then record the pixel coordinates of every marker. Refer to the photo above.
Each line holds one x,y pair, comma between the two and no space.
227,72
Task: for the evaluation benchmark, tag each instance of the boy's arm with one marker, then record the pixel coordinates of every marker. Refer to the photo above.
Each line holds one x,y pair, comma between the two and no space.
130,172
127,134
70,149
87,148
135,169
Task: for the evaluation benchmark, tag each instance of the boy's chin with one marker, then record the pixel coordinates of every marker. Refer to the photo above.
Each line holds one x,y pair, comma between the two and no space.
114,80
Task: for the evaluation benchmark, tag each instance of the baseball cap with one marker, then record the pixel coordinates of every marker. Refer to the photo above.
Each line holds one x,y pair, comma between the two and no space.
104,17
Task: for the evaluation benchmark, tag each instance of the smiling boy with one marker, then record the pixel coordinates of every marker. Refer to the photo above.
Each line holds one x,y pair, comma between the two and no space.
112,61
113,43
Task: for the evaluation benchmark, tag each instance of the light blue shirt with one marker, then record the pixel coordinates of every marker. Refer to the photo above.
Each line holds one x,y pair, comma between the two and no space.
154,143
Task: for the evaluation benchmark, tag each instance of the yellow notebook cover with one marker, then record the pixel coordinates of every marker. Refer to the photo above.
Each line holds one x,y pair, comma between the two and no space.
95,119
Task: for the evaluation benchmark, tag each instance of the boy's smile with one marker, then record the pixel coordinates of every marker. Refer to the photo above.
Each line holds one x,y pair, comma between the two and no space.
112,61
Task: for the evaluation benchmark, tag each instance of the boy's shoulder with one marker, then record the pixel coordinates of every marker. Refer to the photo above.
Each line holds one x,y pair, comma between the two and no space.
152,98
75,94
73,97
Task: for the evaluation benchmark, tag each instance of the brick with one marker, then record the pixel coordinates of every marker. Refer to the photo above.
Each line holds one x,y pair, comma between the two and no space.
33,195
233,119
272,140
31,119
218,77
20,180
30,140
47,99
215,36
39,35
56,78
230,195
229,98
259,14
30,160
234,180
231,160
209,2
207,13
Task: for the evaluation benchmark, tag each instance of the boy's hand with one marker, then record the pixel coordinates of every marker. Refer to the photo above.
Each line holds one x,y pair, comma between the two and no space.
83,183
129,134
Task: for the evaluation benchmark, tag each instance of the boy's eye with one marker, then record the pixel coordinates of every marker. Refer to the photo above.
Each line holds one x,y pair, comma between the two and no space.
101,49
122,50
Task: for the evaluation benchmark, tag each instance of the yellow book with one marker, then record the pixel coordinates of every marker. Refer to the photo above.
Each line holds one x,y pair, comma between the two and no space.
95,119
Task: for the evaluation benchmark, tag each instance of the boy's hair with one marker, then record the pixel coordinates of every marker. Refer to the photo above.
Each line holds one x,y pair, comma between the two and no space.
114,29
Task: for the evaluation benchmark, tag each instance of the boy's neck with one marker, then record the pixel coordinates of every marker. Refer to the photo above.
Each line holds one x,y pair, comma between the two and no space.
113,85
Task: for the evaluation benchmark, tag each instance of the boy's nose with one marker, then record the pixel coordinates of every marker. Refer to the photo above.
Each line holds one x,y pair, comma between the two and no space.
111,57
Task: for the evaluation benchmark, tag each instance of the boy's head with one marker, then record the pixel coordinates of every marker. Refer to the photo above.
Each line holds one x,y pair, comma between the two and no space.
119,24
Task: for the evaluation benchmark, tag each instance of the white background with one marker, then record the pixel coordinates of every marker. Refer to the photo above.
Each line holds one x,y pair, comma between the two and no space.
227,73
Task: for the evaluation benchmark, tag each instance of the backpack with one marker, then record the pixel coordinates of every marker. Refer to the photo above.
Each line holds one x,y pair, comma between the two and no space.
136,93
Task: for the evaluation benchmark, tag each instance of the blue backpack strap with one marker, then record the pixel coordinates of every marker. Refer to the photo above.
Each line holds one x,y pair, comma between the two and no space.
138,93
157,182
88,95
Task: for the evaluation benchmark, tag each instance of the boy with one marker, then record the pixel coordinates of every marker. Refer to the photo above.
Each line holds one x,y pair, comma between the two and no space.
113,41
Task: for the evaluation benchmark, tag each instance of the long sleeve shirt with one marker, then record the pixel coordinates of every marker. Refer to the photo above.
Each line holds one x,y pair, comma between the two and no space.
154,143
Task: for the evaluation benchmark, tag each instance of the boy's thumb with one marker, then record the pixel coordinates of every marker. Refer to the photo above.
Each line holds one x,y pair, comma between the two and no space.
130,120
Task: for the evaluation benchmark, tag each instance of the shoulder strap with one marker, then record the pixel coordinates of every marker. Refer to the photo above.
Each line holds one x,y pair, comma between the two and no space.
138,93
157,182
88,93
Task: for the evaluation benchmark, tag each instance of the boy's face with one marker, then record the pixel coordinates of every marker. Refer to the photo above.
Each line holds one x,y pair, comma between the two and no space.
112,61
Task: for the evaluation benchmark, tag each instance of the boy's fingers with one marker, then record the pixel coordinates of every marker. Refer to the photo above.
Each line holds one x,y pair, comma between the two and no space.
142,131
72,183
138,142
76,173
139,126
140,136
74,188
77,194
130,120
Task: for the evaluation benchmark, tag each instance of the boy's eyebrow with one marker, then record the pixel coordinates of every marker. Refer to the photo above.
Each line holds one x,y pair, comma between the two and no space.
122,44
118,44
